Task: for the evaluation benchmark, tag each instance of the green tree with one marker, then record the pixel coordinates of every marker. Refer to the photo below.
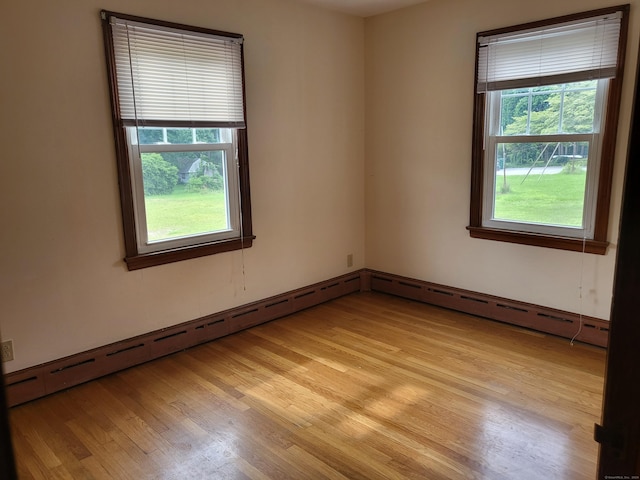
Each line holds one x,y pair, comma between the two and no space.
179,136
551,113
578,111
202,183
159,176
515,105
545,110
209,174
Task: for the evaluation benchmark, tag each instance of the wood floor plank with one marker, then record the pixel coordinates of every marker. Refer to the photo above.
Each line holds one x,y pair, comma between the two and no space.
366,387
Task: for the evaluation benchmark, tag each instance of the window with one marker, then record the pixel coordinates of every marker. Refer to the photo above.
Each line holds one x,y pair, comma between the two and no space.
547,99
181,143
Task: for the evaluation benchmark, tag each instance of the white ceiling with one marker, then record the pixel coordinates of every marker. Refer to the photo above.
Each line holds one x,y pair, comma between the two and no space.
364,8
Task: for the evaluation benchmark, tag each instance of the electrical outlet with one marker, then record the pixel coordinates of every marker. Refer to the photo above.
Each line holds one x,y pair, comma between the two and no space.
350,260
7,351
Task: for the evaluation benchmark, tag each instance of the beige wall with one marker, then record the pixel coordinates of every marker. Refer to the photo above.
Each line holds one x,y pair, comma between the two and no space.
64,287
419,72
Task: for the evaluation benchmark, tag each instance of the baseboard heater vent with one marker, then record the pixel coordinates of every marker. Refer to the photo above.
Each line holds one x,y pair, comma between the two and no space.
564,324
35,382
73,365
127,349
511,307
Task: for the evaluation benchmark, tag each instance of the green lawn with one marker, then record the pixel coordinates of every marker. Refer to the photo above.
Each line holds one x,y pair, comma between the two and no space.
551,199
185,213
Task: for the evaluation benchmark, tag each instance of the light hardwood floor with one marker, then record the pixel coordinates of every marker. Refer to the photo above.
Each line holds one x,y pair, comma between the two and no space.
368,386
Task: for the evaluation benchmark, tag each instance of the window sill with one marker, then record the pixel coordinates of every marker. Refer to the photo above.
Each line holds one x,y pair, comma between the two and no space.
136,262
540,240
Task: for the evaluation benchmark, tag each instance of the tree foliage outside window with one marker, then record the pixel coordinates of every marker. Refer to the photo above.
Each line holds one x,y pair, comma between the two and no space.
548,110
555,109
199,171
159,176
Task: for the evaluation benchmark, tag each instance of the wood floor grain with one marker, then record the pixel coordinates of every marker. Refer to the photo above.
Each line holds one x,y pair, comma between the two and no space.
365,387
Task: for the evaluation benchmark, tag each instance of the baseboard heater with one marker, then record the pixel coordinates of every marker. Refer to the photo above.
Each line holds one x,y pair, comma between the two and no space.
41,380
593,331
35,382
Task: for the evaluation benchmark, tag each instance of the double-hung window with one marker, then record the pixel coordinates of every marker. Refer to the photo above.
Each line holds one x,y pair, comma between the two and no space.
179,120
547,99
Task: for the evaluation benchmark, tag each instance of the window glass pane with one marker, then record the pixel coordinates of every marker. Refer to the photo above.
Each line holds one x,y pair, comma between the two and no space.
578,112
542,183
208,135
548,110
184,193
178,136
149,136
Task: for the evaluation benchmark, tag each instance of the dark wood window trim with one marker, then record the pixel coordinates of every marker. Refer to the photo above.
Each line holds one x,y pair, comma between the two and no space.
539,240
598,244
134,259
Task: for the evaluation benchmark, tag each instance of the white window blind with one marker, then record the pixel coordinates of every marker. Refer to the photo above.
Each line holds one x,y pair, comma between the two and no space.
579,50
167,76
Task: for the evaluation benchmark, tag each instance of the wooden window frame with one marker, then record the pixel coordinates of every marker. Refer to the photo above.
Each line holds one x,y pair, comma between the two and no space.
598,243
133,258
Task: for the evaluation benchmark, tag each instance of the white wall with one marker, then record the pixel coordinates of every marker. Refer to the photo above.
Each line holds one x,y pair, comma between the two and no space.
419,72
63,285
